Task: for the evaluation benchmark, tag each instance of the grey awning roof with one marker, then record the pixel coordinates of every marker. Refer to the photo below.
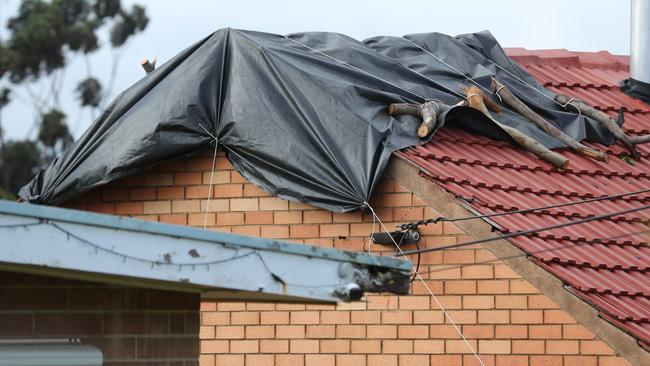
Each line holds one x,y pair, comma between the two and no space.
105,248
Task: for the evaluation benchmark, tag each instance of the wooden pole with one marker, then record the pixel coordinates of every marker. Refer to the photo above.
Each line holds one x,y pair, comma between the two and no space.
529,144
606,121
519,106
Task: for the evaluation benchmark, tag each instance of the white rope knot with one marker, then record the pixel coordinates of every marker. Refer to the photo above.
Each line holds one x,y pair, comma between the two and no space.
570,103
472,95
497,92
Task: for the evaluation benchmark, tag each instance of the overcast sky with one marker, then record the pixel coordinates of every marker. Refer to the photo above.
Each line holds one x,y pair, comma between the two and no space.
578,25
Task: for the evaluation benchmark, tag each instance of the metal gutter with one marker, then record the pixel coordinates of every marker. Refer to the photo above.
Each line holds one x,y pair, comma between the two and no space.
103,248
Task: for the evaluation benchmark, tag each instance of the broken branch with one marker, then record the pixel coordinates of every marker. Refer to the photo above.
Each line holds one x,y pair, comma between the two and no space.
529,144
428,111
606,121
519,106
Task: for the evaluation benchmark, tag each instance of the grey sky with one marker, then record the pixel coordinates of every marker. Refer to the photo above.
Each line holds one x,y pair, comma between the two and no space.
579,25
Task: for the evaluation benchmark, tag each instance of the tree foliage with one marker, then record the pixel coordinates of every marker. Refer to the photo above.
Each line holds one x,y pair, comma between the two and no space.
43,38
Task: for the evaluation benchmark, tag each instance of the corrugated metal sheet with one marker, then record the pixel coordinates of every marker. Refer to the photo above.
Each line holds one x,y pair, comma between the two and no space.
606,262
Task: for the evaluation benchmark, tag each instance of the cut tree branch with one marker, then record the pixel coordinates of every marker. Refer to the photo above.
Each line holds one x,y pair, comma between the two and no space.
528,143
606,121
519,106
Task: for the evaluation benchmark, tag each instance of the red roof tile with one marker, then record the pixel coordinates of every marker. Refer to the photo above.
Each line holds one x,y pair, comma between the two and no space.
604,262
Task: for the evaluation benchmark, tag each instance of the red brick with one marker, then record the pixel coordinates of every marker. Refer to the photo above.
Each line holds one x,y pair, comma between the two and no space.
562,347
545,331
227,190
511,331
260,331
245,317
335,317
303,346
493,346
334,230
319,360
335,346
115,194
129,208
413,331
382,331
365,346
258,218
478,331
105,208
213,346
351,331
168,193
274,317
197,192
244,204
289,360
230,360
414,302
175,219
275,232
229,332
317,217
350,360
244,346
321,331
274,346
397,346
230,218
304,231
188,178
366,317
142,194
163,179
260,360
287,217
290,331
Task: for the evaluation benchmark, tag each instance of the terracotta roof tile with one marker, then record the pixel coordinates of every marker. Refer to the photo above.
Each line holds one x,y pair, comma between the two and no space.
605,262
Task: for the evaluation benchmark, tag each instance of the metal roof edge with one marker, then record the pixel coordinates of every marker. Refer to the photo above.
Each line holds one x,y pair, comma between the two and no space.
124,223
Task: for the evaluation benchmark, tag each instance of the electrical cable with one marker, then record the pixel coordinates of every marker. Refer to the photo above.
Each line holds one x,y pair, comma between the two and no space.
417,274
530,231
526,210
533,253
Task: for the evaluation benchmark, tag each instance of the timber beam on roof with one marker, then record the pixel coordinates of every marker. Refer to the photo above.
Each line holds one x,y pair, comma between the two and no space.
109,249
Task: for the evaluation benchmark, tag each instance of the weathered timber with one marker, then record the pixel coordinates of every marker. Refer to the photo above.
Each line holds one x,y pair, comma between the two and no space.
147,65
519,106
428,111
529,144
429,115
605,120
399,109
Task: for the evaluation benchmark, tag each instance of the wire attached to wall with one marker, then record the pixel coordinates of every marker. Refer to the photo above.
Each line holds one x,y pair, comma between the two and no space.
530,231
521,211
417,274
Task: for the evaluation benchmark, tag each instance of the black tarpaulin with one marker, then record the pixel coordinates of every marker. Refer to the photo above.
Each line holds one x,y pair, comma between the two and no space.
303,116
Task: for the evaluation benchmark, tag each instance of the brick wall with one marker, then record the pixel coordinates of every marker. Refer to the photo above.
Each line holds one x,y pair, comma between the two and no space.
130,326
504,317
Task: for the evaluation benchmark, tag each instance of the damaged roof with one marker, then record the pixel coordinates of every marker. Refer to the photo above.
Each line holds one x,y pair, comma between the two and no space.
599,260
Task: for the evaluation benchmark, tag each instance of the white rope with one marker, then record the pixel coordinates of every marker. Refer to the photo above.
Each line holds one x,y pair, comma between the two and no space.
417,274
356,68
479,85
214,164
207,206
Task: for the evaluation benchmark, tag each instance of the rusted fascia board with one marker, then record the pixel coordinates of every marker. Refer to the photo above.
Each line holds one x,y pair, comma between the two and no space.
444,202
